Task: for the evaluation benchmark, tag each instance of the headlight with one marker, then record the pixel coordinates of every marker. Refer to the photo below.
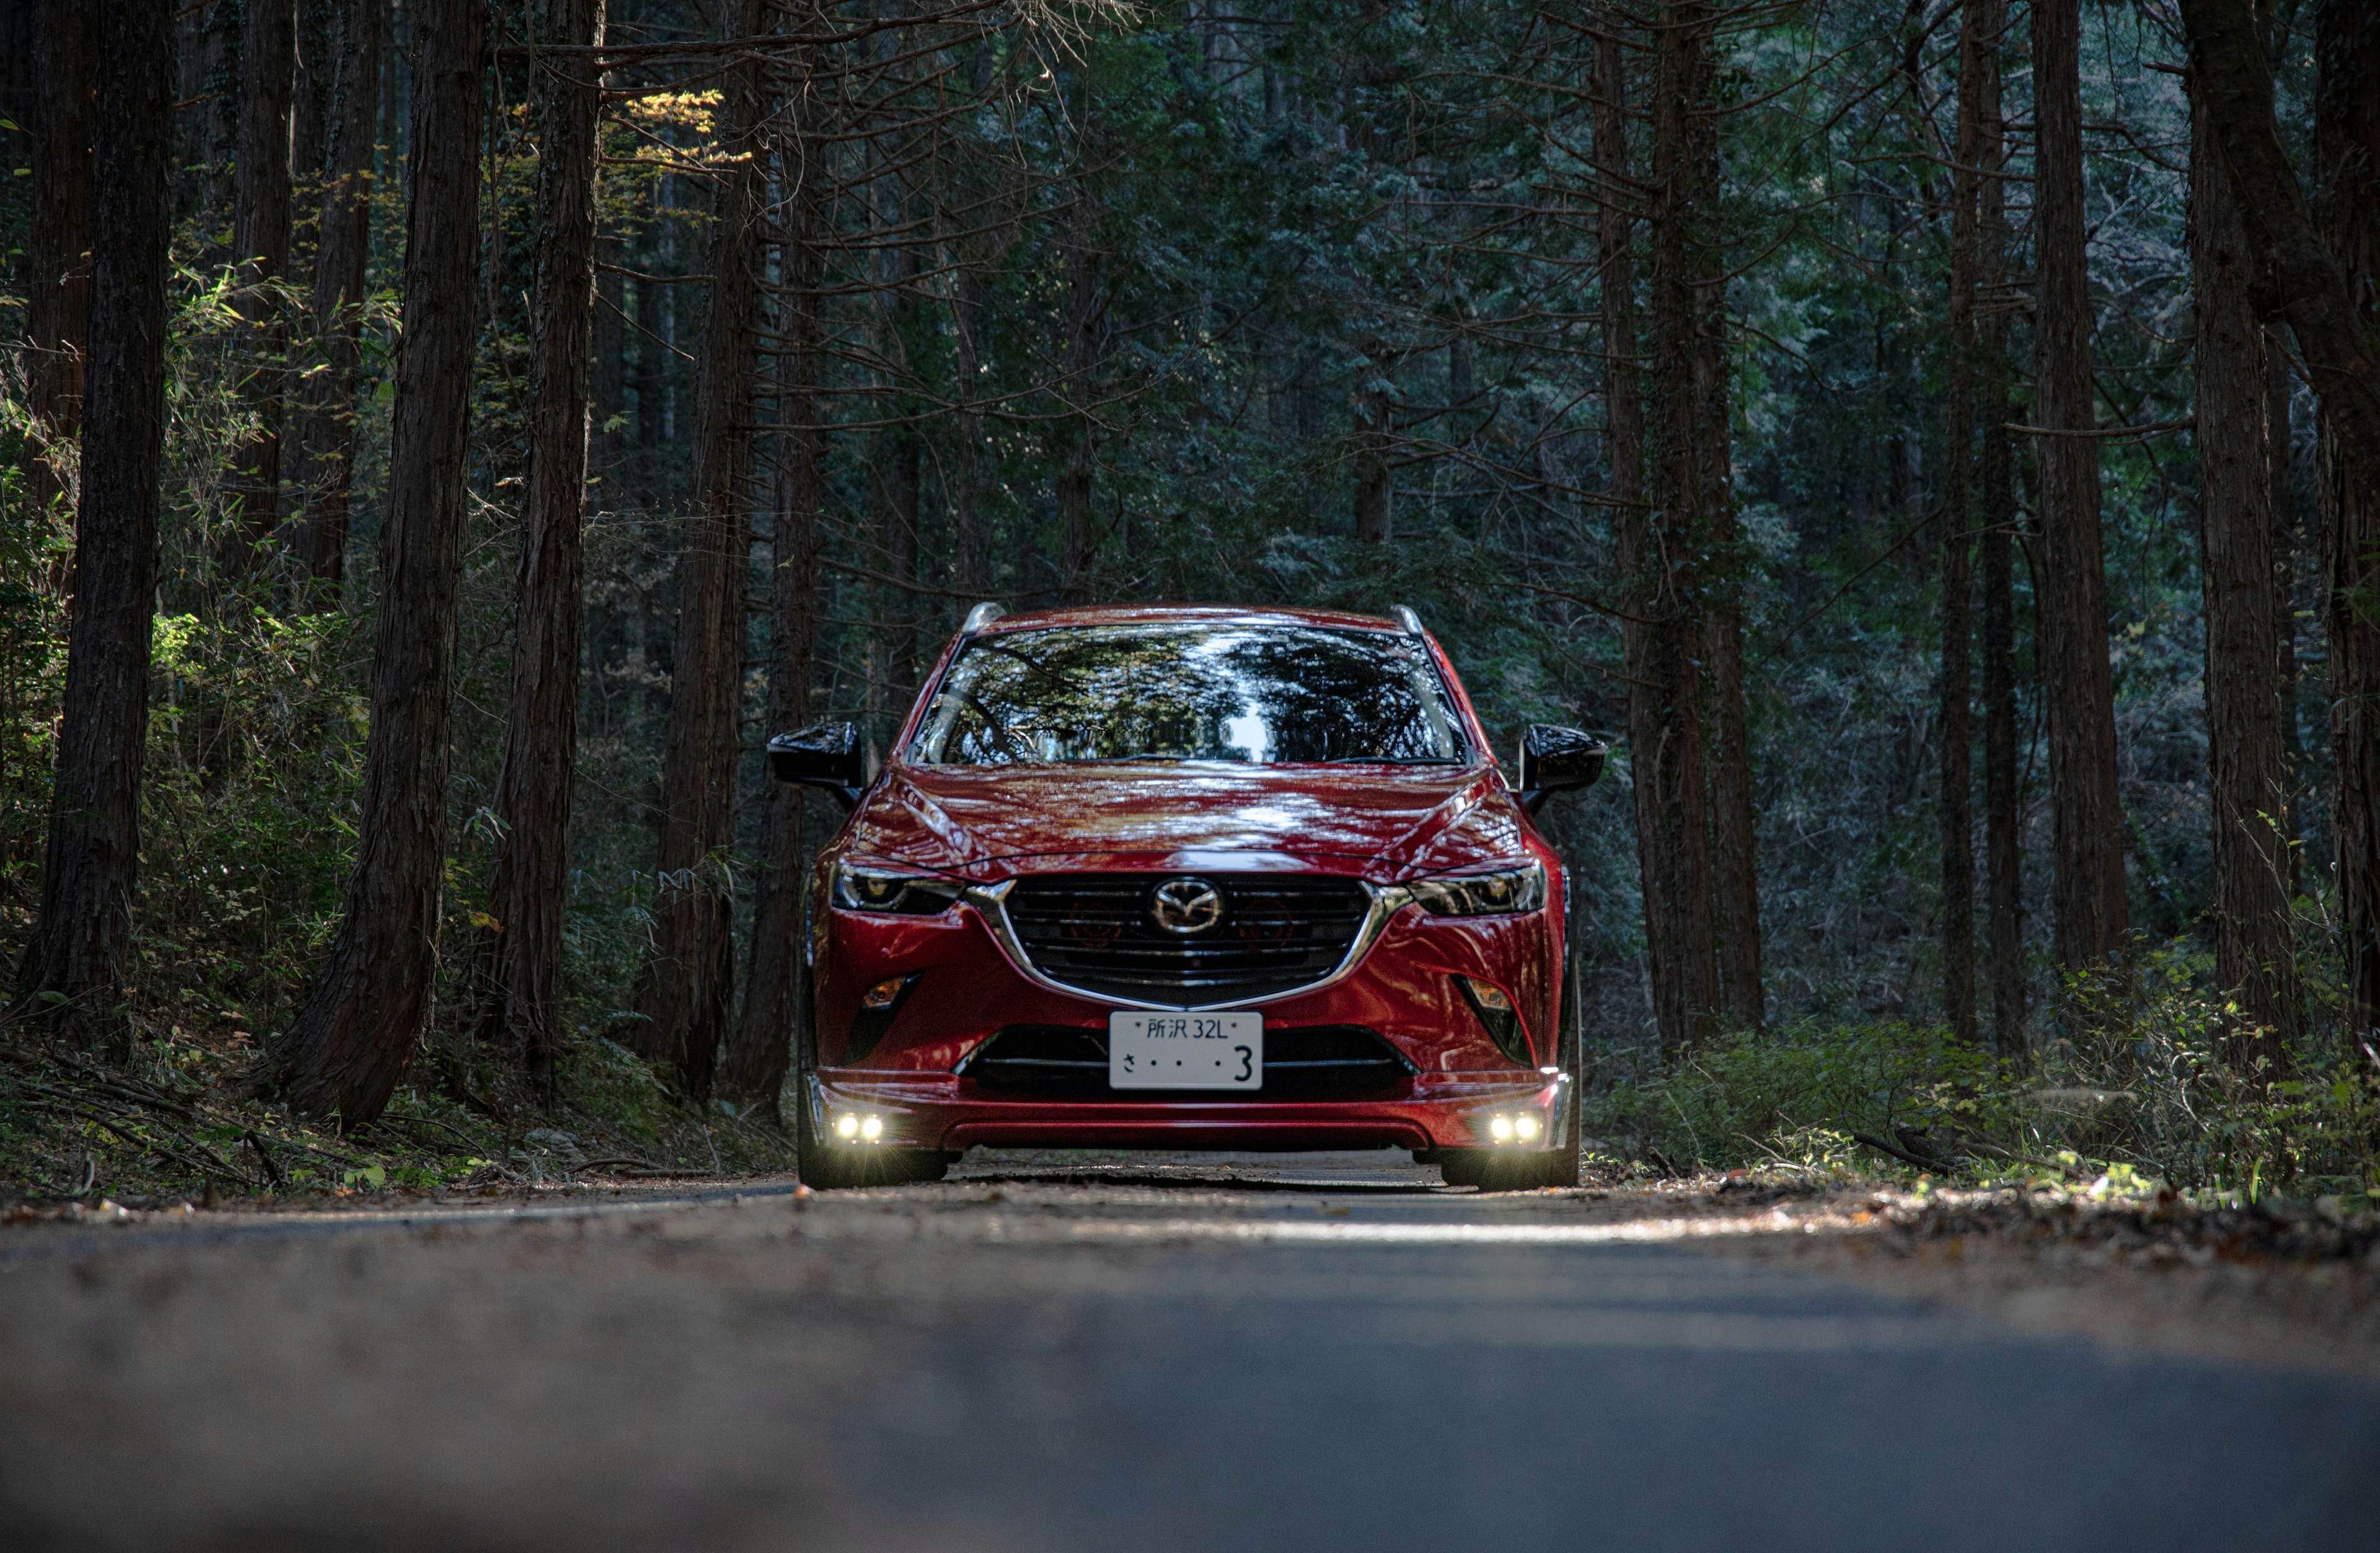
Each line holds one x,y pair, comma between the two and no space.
1480,895
861,888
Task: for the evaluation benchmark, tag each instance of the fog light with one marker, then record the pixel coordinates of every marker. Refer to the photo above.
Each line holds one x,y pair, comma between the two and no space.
1524,1128
872,1129
1501,1129
883,994
846,1126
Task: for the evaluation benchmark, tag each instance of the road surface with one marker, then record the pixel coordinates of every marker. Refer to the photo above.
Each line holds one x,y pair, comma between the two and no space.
1251,1353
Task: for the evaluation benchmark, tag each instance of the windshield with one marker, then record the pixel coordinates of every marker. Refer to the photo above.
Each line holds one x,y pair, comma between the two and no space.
1259,695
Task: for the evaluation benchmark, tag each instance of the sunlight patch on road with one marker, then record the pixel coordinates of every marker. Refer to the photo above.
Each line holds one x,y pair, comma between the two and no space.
1365,1232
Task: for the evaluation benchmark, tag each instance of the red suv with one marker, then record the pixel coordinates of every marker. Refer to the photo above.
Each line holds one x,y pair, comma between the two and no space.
1188,877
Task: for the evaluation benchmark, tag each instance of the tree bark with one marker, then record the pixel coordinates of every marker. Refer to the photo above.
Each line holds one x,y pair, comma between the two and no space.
1978,39
688,982
532,876
2087,823
79,958
758,1060
2346,147
968,311
2314,283
323,477
1656,544
259,240
1077,543
2004,838
1734,833
58,235
2248,790
349,1046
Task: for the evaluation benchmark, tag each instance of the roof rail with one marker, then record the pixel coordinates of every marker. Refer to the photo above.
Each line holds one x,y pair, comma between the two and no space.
1407,618
979,617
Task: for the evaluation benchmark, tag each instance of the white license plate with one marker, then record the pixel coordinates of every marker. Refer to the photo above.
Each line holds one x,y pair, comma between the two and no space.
1186,1051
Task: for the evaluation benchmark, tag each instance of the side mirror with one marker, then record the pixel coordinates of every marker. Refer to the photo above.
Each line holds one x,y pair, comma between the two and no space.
824,755
1558,760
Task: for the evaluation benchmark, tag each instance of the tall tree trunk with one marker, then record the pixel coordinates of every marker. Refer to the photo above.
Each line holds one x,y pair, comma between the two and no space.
1734,848
2346,145
758,1059
58,235
2004,839
2279,448
1076,543
2248,789
904,497
1978,39
688,982
349,1046
532,876
260,241
323,478
1375,499
1657,547
968,310
2087,822
76,964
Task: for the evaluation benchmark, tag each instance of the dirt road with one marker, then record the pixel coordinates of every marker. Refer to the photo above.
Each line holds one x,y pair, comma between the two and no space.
1316,1353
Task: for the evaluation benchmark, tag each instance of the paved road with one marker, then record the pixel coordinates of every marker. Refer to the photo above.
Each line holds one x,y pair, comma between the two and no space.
1294,1354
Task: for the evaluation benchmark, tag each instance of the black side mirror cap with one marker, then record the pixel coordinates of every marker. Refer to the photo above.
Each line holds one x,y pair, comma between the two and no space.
826,756
1556,760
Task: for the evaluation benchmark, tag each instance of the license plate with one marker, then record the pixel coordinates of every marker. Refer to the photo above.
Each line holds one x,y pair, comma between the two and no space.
1186,1051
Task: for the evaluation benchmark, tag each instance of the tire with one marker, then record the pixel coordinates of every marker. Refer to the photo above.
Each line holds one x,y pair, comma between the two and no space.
1562,1160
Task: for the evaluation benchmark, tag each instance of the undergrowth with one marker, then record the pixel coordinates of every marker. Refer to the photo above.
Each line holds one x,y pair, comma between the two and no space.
2134,1093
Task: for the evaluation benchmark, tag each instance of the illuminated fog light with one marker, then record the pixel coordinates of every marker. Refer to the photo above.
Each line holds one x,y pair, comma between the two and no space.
1524,1128
872,1129
846,1126
1501,1129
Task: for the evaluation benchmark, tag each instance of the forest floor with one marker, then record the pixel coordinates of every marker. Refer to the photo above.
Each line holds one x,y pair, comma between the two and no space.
1073,1350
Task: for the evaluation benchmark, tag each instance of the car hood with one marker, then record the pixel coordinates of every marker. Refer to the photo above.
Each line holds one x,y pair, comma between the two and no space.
991,822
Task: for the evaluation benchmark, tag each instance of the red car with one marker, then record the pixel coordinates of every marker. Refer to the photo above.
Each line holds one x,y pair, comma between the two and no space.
1188,877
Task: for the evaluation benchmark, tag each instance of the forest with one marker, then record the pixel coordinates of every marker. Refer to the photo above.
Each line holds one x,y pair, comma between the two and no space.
1936,441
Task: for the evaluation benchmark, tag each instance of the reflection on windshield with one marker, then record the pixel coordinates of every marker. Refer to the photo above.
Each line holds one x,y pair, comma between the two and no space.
1272,694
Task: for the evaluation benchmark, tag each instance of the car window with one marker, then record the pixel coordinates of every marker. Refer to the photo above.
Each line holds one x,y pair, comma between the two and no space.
1253,694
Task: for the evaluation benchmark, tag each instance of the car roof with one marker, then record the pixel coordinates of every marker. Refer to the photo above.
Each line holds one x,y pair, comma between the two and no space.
1176,614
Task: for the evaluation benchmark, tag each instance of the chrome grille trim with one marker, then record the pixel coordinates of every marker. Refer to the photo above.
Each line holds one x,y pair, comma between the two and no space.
990,902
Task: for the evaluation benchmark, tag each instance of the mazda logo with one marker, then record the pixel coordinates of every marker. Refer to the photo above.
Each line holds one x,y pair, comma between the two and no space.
1186,906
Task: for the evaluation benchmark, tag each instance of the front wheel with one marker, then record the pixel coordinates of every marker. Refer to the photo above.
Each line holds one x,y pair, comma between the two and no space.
1507,1170
825,1167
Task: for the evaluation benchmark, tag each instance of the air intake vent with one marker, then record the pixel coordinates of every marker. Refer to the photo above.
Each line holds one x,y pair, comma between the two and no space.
1212,938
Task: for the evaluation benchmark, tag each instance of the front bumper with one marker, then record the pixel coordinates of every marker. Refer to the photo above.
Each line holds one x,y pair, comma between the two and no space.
1441,1111
959,984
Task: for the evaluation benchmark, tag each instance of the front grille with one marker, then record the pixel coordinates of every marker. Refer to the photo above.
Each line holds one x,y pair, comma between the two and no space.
1063,1062
1277,932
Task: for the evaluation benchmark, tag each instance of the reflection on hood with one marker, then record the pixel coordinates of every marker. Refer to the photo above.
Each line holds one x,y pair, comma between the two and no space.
1161,814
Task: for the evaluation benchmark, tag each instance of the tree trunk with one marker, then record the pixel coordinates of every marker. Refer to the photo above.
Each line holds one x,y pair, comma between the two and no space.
2004,838
1375,499
2346,145
349,1046
1978,39
1076,543
58,235
323,478
260,241
688,982
2087,823
758,1060
967,463
1735,847
2248,790
80,959
532,878
1661,639
2316,281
